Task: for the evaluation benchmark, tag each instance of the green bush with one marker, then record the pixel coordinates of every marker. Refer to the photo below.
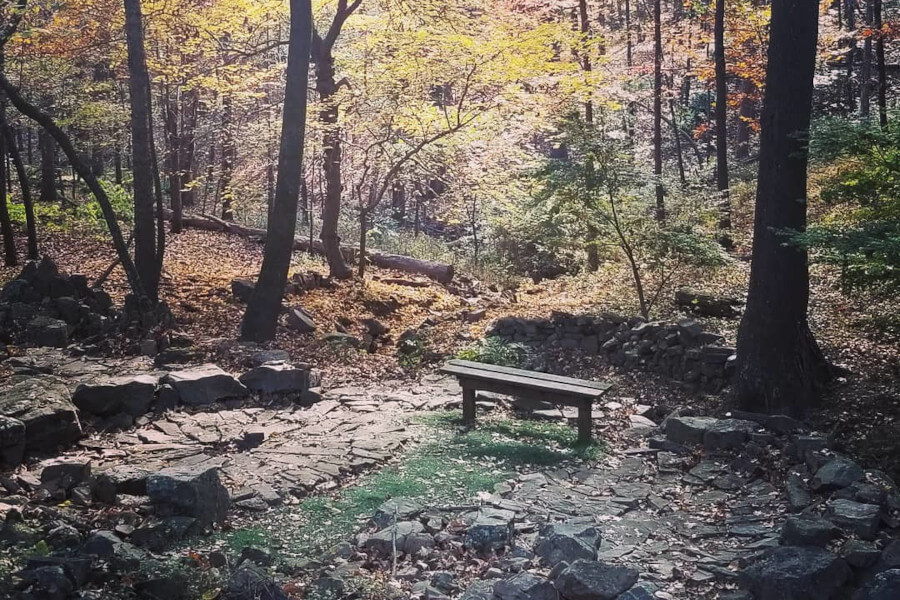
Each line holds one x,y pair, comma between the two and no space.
496,351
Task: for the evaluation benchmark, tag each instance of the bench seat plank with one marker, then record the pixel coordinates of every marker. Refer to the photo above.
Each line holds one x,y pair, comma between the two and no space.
448,368
527,383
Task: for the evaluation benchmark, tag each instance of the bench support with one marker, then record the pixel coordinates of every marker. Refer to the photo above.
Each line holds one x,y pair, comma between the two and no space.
468,405
585,423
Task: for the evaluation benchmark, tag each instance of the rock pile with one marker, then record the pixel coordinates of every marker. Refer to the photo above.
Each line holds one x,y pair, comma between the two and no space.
43,307
843,535
682,351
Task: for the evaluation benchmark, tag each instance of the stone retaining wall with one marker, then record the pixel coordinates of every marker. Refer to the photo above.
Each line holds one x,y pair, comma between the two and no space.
682,351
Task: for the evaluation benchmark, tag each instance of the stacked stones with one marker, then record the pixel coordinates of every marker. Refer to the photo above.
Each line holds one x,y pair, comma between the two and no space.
44,307
682,351
841,539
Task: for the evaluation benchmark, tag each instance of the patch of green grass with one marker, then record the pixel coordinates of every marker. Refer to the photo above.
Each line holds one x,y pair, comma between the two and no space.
448,469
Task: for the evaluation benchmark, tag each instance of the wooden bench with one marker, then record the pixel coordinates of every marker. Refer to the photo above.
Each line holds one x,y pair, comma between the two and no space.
554,389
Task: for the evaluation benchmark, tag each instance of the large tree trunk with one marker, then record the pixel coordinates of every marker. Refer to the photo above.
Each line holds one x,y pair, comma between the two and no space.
779,363
261,317
25,186
722,118
145,252
657,111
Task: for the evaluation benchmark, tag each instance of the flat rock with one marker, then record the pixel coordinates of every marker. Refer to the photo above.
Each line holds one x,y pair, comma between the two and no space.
837,473
860,554
525,586
279,378
205,384
727,434
382,542
249,582
592,580
796,491
688,430
193,491
129,394
65,473
808,531
856,517
884,586
562,542
396,510
479,590
43,405
795,573
12,442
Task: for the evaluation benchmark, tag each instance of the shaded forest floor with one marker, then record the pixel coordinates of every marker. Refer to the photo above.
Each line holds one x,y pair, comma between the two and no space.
862,410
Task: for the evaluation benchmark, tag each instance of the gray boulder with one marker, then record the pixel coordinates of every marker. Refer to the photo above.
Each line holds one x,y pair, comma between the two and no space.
836,474
193,491
120,479
688,430
242,289
640,591
479,590
561,542
797,493
592,580
855,517
489,529
279,378
399,509
131,394
12,442
795,573
884,586
727,434
60,473
249,582
45,331
383,541
121,555
808,531
47,583
300,321
525,586
43,405
205,384
860,554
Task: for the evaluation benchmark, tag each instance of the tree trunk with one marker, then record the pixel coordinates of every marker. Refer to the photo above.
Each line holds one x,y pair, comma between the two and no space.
227,164
261,317
47,146
745,114
851,53
145,253
679,154
22,174
722,118
865,75
882,68
586,54
187,145
628,48
117,164
657,111
10,255
173,155
779,363
331,142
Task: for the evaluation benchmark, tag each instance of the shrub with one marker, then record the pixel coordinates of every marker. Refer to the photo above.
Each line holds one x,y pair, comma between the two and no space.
494,350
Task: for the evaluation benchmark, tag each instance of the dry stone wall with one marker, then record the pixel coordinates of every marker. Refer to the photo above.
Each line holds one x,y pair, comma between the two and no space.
682,350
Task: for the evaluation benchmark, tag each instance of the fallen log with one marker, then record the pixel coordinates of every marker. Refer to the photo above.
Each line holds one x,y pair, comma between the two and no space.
440,272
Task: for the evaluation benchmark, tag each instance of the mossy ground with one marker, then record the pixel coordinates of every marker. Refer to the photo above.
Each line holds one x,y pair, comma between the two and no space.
449,467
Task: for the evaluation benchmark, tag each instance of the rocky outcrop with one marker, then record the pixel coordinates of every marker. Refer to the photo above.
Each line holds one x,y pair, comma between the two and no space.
205,384
193,491
43,405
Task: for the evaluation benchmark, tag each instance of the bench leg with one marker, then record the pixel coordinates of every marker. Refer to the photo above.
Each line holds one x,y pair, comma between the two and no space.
585,424
468,406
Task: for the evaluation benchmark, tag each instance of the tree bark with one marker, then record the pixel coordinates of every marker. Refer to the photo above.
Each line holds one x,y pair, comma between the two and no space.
657,111
722,118
327,88
745,114
227,161
145,251
586,54
865,75
10,256
261,317
188,146
779,363
882,68
25,186
173,155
